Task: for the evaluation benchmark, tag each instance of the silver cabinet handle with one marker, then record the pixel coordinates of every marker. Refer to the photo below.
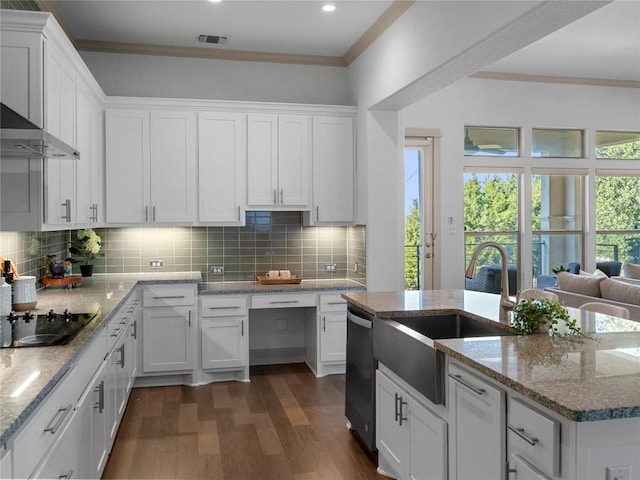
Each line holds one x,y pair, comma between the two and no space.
523,435
233,307
94,215
100,390
168,297
402,417
154,213
135,329
146,213
317,214
397,399
189,318
67,476
324,323
242,328
336,303
284,301
58,419
115,332
275,196
67,209
281,196
458,378
121,361
239,213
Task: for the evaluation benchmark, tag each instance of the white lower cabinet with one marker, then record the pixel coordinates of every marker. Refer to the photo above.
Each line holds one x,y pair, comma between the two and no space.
225,330
332,316
63,459
411,440
92,416
168,328
477,416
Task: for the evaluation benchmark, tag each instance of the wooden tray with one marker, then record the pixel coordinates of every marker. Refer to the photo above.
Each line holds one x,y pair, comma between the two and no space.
67,282
263,280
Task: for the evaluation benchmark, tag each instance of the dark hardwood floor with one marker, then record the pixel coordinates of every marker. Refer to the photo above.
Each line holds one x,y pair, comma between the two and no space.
284,424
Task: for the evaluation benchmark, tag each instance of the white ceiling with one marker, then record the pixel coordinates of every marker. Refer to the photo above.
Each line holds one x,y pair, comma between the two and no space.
602,45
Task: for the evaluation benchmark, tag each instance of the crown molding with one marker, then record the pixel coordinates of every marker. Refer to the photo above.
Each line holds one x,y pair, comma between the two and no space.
384,21
49,6
519,77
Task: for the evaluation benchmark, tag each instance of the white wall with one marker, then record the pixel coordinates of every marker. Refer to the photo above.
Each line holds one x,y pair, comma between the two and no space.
514,104
173,77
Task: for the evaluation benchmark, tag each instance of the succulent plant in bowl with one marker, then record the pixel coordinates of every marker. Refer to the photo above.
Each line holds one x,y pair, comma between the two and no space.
542,315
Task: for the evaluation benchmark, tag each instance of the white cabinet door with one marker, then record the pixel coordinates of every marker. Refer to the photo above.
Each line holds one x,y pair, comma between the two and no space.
128,165
115,387
89,166
478,414
293,160
221,168
63,459
333,170
524,471
60,116
278,153
333,337
92,417
173,166
427,443
224,342
167,339
389,433
262,159
22,84
60,96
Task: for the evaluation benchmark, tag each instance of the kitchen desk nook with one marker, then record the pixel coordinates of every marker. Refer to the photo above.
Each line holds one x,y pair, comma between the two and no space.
61,406
533,407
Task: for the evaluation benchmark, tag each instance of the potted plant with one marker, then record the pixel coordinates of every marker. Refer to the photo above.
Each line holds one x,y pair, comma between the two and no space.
87,244
541,315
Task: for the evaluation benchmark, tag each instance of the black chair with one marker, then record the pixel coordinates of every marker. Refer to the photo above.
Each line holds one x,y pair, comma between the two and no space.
612,268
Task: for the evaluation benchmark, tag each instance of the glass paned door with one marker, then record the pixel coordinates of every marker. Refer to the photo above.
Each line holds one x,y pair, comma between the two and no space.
419,249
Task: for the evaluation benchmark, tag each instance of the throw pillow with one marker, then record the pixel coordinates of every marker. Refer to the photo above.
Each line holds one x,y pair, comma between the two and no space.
597,273
620,291
631,270
583,284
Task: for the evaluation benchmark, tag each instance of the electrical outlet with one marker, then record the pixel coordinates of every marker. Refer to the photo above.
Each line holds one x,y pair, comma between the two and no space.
619,472
217,270
329,267
156,264
355,266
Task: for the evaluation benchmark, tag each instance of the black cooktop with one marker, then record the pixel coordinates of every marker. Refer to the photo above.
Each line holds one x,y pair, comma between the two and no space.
47,329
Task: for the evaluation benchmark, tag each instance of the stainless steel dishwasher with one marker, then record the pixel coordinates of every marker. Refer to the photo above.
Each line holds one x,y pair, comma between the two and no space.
360,388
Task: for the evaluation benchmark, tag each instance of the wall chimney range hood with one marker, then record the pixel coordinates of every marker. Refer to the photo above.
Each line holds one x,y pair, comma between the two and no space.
22,139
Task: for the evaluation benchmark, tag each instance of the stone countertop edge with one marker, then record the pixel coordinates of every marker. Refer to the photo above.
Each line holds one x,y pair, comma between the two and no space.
152,279
574,415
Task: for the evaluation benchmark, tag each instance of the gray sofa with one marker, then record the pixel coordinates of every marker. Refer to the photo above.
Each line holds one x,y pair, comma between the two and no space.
576,290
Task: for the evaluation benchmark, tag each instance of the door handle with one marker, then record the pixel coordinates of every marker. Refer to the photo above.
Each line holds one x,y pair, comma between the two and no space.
275,196
58,419
135,329
67,207
523,435
281,196
458,378
100,390
242,328
402,417
324,323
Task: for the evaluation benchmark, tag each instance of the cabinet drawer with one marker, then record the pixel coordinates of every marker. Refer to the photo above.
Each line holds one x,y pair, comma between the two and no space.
223,306
91,360
46,426
283,301
534,436
168,295
332,303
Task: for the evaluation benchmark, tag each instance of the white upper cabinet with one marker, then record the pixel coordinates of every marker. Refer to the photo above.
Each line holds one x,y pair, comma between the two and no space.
333,170
278,161
221,168
89,170
150,166
22,87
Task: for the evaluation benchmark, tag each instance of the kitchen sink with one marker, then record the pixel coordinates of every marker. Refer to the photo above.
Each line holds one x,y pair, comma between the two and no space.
405,345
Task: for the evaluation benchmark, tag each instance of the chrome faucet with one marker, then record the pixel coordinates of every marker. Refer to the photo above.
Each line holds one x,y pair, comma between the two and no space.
505,303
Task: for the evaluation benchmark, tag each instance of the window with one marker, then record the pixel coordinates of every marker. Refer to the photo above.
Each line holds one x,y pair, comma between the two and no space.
491,214
618,217
557,143
413,218
491,141
618,145
557,224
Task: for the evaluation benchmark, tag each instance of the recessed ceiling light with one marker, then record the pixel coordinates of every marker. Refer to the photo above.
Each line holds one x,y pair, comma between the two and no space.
215,1
328,7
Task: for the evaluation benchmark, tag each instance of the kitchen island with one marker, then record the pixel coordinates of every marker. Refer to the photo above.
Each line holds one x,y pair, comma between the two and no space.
586,388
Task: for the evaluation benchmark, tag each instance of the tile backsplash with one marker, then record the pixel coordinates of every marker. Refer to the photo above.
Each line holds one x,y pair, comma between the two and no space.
268,241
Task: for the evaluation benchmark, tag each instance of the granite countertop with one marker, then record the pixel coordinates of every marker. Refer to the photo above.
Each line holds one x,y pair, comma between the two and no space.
103,294
589,378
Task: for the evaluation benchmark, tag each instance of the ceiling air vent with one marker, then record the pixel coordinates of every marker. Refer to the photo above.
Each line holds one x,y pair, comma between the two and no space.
216,39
